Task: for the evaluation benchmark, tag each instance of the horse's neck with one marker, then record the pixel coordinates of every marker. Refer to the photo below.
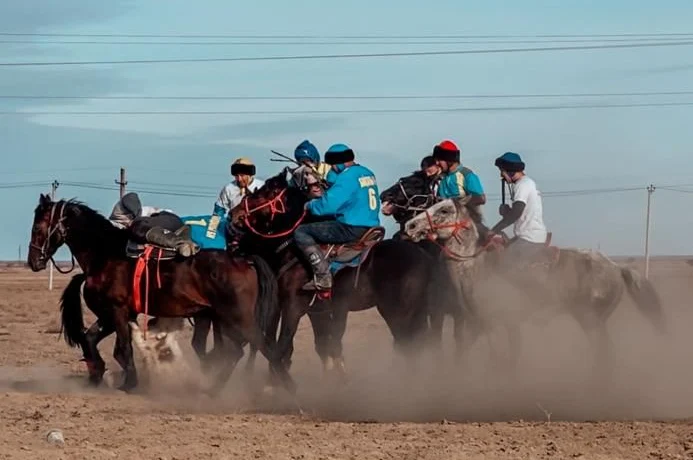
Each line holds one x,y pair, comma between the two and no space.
93,246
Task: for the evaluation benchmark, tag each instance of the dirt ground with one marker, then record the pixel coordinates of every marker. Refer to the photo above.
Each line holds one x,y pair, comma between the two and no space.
550,408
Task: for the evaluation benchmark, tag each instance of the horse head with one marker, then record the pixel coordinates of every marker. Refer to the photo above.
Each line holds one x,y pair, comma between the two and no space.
73,223
270,211
447,219
48,232
408,196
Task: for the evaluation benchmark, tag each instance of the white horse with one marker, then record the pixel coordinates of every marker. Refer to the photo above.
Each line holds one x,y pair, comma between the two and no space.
586,284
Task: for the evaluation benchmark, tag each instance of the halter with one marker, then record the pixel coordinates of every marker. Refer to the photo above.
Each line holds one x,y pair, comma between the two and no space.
54,227
276,206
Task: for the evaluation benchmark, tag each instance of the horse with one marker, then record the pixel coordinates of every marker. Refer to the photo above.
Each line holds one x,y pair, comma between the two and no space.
409,196
391,275
240,293
586,284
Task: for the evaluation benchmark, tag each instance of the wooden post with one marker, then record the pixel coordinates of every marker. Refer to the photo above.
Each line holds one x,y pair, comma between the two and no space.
122,182
650,191
54,187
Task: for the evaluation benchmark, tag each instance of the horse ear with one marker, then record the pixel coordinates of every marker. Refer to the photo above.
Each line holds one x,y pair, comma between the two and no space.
44,200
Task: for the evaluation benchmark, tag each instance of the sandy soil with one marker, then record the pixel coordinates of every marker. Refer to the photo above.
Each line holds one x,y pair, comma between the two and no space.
551,408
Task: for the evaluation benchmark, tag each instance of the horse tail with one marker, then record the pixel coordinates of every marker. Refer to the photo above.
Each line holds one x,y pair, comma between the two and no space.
645,296
72,326
267,307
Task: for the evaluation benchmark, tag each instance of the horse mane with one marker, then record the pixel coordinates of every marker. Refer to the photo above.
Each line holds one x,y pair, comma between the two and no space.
101,231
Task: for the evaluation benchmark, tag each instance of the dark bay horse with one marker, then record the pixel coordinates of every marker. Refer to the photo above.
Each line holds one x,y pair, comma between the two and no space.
394,278
240,293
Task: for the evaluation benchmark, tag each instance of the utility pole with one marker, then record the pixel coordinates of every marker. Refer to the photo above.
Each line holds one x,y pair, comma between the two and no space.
122,182
650,191
19,253
54,187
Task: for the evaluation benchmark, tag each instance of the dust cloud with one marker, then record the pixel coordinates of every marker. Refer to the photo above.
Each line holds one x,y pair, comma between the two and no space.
650,375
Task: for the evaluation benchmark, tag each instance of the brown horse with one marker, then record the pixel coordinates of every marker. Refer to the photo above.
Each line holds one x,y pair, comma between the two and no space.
586,284
239,293
394,277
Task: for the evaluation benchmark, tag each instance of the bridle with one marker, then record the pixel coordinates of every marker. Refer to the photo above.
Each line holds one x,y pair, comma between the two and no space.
408,206
456,227
55,227
276,206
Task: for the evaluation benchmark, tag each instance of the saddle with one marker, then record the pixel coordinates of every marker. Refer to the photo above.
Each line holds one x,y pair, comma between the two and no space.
344,253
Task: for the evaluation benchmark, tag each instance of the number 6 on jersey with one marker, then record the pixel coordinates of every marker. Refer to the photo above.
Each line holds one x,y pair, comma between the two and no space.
372,199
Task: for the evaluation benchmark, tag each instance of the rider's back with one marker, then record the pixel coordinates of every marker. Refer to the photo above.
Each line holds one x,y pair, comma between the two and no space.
353,198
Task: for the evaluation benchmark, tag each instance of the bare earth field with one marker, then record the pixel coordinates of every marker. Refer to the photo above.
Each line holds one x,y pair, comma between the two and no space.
551,408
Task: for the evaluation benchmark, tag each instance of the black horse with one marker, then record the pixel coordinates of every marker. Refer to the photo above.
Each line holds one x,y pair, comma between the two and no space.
409,196
395,276
239,293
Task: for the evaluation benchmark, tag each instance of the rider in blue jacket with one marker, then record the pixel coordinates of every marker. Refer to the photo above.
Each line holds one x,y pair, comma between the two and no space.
352,200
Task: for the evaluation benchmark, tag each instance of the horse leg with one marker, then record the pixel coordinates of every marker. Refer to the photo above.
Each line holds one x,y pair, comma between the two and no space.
95,363
291,316
199,339
320,322
337,328
123,348
252,333
233,351
594,327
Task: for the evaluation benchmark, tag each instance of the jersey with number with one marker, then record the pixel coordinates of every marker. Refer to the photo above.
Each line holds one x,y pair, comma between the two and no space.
352,199
530,226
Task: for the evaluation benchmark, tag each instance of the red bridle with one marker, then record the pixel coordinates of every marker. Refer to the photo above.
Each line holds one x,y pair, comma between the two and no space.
276,206
456,228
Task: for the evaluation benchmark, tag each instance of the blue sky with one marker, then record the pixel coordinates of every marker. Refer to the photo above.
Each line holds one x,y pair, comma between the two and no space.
564,149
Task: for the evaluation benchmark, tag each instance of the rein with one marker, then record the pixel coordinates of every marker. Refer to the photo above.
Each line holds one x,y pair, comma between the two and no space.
276,206
54,227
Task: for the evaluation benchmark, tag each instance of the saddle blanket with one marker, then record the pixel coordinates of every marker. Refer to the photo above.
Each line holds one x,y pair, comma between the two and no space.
206,232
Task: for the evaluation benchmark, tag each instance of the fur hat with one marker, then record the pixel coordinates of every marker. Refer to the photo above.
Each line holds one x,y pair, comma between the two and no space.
447,151
243,166
339,154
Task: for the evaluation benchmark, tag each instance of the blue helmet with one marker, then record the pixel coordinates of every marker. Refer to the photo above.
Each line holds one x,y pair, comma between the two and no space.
307,151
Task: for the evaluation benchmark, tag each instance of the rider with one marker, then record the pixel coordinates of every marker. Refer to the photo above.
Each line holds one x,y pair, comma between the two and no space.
352,200
432,170
456,181
243,171
311,172
152,225
526,212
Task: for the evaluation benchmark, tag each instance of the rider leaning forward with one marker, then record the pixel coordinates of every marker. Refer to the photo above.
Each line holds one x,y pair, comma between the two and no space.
455,180
352,200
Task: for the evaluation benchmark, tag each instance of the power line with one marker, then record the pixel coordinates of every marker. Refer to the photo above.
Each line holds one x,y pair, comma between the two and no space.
354,97
348,56
337,43
366,37
351,111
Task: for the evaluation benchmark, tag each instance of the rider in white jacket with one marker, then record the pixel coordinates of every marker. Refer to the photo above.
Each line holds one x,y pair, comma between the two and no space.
243,171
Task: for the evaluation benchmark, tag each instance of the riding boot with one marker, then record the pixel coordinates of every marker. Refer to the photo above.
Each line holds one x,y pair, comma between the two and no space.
167,239
321,269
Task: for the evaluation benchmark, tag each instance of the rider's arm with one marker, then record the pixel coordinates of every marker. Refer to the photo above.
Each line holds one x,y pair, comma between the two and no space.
473,187
522,193
510,217
331,201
